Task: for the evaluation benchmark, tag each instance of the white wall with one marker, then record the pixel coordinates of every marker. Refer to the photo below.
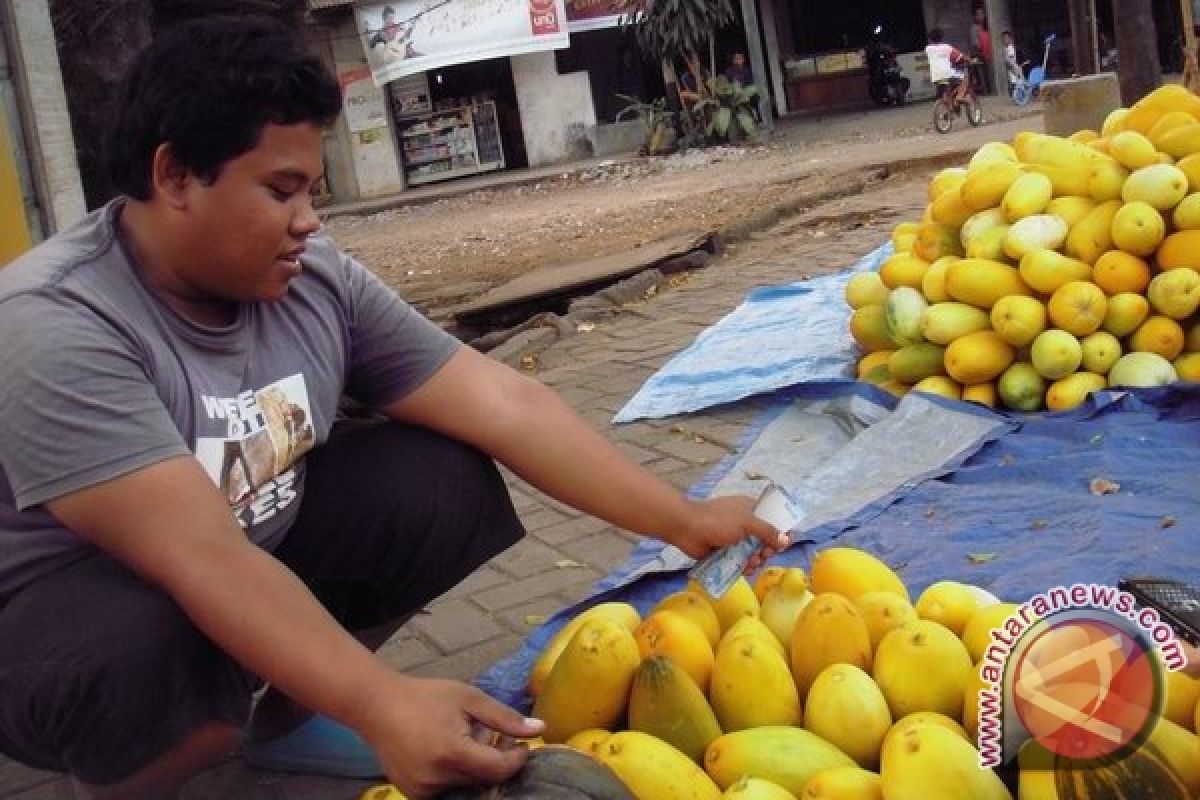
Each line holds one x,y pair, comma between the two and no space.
371,155
556,110
43,107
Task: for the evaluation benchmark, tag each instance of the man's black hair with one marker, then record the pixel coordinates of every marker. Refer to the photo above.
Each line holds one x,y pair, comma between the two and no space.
388,11
207,87
935,36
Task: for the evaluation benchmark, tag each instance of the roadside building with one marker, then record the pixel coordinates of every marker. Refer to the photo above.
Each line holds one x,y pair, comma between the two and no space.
435,91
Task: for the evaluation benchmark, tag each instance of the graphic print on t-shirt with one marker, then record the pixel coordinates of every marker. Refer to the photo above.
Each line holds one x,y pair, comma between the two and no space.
266,432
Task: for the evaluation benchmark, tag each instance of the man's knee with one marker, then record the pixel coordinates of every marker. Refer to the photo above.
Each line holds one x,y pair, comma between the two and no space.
103,692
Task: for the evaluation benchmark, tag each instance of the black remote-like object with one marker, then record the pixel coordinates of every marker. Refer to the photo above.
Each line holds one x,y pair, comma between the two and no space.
1175,601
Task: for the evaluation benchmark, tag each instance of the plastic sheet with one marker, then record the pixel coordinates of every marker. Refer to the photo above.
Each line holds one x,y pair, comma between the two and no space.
800,334
1017,516
841,454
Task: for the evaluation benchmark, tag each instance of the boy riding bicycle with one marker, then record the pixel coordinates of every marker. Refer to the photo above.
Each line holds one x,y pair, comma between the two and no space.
946,65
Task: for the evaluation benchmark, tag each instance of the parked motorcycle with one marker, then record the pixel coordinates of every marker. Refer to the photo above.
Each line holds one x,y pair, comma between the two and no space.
885,82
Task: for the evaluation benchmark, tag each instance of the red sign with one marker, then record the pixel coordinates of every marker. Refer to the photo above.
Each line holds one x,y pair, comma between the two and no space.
544,16
594,9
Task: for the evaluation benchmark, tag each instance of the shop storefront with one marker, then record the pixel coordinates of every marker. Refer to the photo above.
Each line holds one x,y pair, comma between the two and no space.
822,48
436,90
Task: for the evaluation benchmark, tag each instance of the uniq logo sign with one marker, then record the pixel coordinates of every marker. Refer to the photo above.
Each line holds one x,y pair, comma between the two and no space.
543,14
1075,669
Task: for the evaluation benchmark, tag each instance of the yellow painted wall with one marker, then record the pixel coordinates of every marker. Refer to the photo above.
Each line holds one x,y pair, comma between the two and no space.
14,227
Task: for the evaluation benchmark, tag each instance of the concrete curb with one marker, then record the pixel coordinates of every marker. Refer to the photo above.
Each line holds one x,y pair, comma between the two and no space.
520,346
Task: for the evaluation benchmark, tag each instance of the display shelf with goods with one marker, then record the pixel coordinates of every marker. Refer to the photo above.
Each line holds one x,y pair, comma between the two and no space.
827,81
452,142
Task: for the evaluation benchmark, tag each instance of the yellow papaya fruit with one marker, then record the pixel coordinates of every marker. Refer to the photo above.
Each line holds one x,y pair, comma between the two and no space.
1180,249
1181,142
757,789
883,612
922,666
666,703
651,768
984,186
829,631
949,209
752,686
696,608
588,687
623,613
1091,237
753,626
786,756
666,633
589,740
738,601
1030,194
844,783
982,282
783,604
845,708
851,572
766,580
931,763
950,178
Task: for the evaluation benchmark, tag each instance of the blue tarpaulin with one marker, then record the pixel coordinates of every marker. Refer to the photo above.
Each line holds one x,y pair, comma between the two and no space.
940,490
800,333
1015,513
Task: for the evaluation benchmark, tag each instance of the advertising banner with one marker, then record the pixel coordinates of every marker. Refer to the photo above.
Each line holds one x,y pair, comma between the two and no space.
404,37
590,15
362,101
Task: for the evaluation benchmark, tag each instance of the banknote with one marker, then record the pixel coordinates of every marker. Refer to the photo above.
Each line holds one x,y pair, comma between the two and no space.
718,571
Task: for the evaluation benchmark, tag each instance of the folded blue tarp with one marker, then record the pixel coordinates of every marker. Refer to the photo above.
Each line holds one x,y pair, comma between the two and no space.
1017,515
800,333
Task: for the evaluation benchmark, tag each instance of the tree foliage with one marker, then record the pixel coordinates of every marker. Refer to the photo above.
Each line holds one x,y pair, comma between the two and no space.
676,30
97,40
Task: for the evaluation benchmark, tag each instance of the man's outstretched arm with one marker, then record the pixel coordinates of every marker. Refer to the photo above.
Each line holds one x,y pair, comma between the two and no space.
526,426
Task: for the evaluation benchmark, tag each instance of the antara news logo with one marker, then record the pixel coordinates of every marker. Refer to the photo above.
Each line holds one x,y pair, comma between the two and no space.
1078,669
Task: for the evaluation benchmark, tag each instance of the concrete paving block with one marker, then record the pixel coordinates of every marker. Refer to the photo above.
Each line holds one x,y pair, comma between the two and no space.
456,624
404,651
468,664
667,465
542,518
527,557
604,551
569,530
517,619
639,454
483,578
533,587
521,501
576,396
58,789
18,780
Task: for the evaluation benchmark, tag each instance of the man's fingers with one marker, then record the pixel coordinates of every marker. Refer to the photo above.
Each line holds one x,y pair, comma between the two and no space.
769,536
489,766
501,718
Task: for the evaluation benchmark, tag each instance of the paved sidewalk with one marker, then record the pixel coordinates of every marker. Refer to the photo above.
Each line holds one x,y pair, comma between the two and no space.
596,371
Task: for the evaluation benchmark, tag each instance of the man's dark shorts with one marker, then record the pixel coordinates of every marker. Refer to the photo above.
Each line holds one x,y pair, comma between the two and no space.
101,673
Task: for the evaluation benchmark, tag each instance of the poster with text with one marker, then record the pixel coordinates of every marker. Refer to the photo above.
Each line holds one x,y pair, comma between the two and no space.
409,36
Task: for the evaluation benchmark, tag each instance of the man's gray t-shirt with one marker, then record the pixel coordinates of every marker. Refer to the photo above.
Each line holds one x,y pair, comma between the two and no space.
99,378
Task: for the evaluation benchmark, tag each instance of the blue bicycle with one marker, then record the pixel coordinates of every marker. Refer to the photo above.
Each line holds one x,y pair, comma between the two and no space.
1025,89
